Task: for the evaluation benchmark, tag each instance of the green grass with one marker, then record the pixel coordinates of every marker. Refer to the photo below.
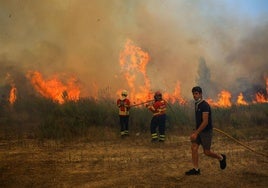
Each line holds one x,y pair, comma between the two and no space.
44,119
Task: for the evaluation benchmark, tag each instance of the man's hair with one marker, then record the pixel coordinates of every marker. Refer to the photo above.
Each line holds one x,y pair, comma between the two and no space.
197,89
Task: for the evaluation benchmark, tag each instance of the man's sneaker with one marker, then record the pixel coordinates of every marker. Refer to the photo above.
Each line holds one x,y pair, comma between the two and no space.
223,162
193,172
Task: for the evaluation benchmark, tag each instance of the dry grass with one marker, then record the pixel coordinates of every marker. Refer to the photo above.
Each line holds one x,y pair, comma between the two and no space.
129,162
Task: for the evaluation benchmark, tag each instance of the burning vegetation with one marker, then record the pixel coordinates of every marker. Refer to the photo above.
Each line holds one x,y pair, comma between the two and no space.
53,88
133,62
53,107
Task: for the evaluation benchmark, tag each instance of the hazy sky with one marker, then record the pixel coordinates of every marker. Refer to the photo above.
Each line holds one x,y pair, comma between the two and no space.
84,38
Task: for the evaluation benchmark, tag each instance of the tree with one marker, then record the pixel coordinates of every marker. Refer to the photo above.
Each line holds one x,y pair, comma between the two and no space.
204,79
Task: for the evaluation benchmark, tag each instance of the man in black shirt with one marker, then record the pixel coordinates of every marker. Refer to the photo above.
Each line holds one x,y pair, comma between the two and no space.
203,133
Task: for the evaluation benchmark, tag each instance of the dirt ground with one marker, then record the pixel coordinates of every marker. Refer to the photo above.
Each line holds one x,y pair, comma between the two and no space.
130,162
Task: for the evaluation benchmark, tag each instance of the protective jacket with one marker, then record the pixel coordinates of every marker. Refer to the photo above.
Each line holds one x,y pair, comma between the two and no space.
158,107
123,105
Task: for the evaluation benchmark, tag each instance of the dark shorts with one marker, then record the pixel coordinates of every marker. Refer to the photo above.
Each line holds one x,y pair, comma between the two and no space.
204,139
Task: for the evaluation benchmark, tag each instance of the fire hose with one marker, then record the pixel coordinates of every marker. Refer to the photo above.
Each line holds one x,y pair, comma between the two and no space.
141,103
220,131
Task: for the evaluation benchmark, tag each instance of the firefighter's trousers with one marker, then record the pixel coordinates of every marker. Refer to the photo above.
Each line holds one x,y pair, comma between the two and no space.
124,124
158,122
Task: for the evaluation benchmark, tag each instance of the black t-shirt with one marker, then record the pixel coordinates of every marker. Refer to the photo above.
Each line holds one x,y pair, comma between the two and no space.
201,107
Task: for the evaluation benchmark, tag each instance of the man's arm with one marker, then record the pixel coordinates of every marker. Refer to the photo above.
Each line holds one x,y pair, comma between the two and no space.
201,127
204,122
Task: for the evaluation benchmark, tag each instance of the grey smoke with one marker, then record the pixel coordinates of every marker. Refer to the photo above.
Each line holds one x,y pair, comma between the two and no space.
84,38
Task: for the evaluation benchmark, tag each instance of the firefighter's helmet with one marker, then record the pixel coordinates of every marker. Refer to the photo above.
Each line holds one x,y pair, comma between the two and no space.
158,95
124,93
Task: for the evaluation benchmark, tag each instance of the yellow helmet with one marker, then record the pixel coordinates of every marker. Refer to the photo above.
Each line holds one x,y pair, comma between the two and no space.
124,93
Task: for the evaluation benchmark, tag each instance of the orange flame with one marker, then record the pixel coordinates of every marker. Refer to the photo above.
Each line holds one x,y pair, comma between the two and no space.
240,100
54,88
224,99
12,95
260,98
133,61
176,96
267,85
13,91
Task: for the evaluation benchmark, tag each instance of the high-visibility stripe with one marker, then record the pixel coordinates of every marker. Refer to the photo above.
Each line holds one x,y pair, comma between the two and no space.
154,135
123,112
160,111
162,137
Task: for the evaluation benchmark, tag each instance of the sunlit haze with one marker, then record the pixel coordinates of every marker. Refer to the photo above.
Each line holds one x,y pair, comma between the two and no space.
99,47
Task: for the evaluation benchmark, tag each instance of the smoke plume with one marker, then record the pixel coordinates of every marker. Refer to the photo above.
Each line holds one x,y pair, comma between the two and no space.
84,39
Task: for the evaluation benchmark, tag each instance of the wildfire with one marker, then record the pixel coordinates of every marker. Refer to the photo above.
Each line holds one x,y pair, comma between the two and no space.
12,97
175,96
133,61
54,88
224,99
12,94
260,97
267,85
240,100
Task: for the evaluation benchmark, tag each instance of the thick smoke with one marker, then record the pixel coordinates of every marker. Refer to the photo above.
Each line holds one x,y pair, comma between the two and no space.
84,38
249,61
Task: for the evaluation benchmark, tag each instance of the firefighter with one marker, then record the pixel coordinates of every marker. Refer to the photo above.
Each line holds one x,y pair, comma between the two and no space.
123,104
158,121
